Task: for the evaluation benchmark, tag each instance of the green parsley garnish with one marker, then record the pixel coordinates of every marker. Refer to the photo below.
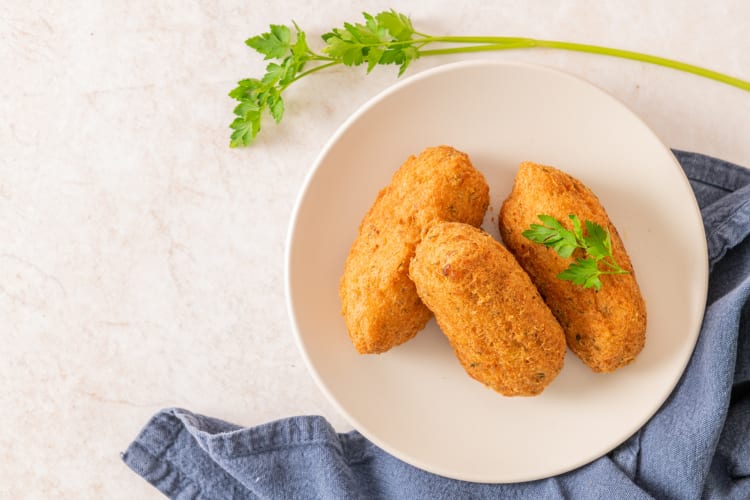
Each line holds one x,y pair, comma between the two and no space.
386,38
596,243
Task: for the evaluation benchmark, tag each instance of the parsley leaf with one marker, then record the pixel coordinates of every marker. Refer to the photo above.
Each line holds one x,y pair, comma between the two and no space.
584,272
596,243
552,234
386,38
258,96
398,25
275,44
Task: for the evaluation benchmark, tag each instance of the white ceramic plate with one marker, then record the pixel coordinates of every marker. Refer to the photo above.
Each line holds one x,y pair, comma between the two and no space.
416,402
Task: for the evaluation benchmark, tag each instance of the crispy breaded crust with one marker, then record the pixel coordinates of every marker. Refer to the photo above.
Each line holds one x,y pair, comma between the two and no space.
380,305
606,329
501,330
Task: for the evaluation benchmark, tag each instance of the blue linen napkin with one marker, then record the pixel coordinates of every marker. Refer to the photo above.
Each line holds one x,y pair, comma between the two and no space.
697,445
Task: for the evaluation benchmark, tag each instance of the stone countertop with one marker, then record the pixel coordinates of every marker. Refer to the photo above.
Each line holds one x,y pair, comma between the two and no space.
141,263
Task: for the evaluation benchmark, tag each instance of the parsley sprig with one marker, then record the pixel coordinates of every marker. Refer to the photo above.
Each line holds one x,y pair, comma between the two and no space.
386,38
595,241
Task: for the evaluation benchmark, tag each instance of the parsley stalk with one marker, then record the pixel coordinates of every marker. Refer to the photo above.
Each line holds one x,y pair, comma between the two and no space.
505,43
386,38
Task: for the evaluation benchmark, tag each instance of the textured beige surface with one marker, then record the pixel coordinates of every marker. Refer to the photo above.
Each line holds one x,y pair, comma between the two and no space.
141,260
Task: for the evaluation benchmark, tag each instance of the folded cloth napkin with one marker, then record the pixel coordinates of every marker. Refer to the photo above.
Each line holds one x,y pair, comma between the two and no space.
696,445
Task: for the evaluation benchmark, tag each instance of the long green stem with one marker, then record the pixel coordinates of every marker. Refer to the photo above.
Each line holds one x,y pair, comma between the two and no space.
496,43
637,56
480,39
490,47
504,43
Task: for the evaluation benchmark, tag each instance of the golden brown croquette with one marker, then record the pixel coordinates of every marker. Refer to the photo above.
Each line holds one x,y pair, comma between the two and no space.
501,330
380,305
605,328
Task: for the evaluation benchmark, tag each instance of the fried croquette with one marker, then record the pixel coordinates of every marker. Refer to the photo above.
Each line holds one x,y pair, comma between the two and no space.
605,328
380,305
501,330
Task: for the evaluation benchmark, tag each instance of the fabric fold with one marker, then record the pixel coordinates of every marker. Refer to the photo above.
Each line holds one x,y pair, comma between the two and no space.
722,190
